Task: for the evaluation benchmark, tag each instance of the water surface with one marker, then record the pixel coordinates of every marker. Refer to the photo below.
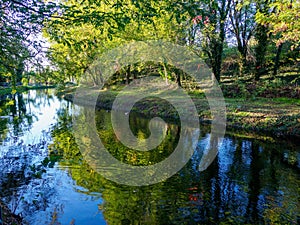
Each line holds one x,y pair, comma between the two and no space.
45,178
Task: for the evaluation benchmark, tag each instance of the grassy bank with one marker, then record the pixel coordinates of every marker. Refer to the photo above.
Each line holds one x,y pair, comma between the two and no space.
274,117
9,90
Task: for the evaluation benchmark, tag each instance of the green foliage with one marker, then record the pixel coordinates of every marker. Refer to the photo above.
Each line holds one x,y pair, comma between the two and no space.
79,31
21,23
208,31
242,21
82,38
284,20
267,88
238,89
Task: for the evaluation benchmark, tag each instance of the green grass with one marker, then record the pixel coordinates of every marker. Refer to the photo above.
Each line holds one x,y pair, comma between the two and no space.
264,116
287,100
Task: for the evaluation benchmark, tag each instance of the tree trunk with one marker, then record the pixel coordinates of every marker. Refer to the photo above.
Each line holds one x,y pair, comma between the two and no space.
166,73
261,35
177,73
128,73
277,59
134,75
178,79
217,56
242,59
260,50
218,43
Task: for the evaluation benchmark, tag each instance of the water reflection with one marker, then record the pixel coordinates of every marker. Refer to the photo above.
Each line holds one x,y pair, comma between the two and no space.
23,114
250,181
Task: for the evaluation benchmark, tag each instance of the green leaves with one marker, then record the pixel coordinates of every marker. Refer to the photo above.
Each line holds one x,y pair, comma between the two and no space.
283,20
86,30
21,22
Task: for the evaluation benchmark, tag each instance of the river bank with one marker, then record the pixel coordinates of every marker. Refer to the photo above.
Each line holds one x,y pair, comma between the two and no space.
274,117
8,90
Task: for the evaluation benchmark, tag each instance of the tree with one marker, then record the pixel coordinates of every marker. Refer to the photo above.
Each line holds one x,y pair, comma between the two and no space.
242,15
72,57
283,20
81,39
21,21
262,38
211,21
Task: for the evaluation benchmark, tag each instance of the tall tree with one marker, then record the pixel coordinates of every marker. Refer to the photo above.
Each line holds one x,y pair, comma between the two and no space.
80,39
21,21
211,23
283,20
242,15
262,37
283,24
72,57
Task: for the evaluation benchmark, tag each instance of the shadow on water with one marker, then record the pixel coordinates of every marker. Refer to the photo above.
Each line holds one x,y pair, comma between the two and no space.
250,181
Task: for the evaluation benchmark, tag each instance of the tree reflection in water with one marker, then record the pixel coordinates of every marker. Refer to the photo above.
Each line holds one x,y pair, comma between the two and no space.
248,182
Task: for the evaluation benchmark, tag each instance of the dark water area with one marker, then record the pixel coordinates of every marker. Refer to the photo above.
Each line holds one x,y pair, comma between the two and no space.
47,180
